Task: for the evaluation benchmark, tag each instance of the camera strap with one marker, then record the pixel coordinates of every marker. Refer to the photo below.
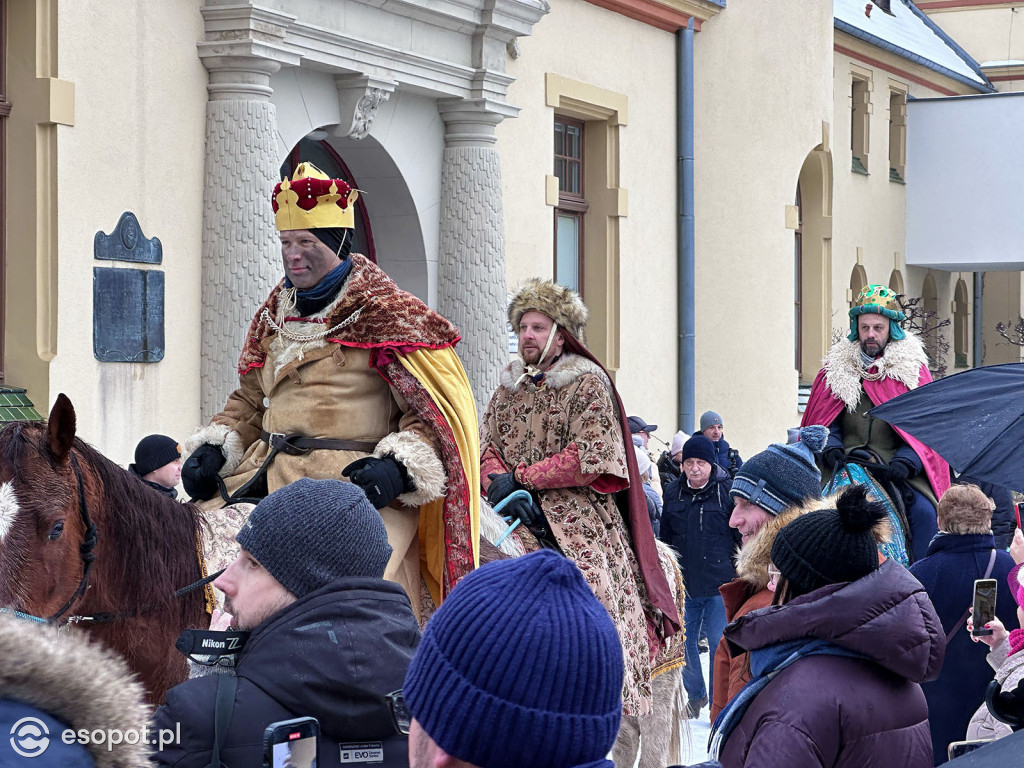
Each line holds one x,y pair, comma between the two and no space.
963,619
226,685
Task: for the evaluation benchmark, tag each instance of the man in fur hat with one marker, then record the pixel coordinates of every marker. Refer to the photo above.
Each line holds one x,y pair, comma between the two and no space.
878,361
556,428
344,375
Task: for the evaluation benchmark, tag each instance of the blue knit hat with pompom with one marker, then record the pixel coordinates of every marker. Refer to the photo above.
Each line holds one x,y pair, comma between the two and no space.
520,666
783,476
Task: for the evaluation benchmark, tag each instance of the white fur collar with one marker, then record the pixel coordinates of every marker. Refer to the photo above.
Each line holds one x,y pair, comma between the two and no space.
564,372
902,360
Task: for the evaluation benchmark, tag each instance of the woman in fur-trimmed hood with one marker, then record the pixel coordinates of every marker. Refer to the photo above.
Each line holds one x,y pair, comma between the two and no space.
66,681
556,427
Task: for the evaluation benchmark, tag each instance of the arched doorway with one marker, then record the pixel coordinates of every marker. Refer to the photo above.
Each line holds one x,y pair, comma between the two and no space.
813,263
323,156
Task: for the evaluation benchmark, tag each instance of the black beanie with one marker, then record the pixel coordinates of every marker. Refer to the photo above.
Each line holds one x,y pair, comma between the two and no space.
153,452
699,447
830,546
338,239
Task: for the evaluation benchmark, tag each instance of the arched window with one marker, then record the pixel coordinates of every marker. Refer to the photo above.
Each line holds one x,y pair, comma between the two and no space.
798,258
858,279
960,334
896,281
326,158
930,306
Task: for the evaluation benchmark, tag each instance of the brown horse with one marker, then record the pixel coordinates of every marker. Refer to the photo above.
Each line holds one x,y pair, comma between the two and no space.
53,487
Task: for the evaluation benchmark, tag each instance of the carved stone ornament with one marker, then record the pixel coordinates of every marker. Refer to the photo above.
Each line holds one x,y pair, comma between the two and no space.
127,243
366,112
360,96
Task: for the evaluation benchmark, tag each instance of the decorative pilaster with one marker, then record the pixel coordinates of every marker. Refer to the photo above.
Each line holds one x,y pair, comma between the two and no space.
471,262
241,262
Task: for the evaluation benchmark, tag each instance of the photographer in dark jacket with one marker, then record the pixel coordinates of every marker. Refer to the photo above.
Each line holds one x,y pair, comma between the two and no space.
712,428
695,521
330,638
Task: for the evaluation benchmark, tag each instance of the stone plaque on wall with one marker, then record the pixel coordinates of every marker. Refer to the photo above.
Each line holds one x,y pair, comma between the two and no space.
127,243
127,315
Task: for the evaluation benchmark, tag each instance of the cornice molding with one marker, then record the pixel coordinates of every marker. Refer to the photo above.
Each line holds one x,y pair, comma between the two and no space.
865,52
942,6
234,32
1003,72
667,15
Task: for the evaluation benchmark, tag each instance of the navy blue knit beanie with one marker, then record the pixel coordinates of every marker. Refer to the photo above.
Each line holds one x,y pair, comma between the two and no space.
520,666
783,476
311,532
700,447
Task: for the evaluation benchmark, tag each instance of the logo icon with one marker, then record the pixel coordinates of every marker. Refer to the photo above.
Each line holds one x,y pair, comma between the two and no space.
30,737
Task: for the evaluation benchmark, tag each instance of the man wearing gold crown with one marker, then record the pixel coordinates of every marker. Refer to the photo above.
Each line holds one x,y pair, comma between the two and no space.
344,375
876,362
555,427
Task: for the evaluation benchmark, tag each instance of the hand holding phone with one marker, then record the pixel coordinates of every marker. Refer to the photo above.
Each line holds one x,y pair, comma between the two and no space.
984,606
291,743
958,748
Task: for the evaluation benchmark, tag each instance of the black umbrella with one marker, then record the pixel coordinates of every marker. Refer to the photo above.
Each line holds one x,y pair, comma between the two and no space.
974,420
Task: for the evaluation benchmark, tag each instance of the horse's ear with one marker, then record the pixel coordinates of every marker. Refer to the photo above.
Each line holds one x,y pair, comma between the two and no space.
61,425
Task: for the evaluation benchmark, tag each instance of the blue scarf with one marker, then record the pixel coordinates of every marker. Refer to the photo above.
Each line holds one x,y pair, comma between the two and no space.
314,299
765,664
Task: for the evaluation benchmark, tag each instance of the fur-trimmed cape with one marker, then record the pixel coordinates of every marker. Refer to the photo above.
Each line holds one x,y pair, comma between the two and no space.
839,382
76,681
381,315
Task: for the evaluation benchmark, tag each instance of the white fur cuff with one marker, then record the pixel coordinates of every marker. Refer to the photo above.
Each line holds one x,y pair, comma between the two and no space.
225,438
420,461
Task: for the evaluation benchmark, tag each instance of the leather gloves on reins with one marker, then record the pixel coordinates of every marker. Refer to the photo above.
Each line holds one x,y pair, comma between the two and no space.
199,472
504,485
896,471
833,457
382,480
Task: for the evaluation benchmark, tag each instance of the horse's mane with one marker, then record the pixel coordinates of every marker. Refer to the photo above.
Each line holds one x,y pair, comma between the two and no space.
154,537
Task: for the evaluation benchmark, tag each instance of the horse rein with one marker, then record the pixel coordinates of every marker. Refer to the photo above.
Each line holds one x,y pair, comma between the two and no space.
85,549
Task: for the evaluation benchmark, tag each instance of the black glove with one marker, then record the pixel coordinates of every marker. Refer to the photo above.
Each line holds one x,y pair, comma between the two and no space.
502,486
199,472
382,480
895,471
833,457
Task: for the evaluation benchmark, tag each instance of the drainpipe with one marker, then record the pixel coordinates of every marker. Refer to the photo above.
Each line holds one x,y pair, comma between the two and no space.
684,226
978,320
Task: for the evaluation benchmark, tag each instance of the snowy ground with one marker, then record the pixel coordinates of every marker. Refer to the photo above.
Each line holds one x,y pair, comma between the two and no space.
695,732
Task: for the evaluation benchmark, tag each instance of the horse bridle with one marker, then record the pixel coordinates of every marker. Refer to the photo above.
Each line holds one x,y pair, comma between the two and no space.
85,549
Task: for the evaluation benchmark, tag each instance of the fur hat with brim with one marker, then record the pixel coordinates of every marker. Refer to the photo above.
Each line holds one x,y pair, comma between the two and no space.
561,304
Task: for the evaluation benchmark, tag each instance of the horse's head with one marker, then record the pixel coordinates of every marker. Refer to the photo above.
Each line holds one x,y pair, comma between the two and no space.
41,526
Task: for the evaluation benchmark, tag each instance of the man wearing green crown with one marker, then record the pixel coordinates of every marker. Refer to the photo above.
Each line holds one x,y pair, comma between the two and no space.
876,362
344,375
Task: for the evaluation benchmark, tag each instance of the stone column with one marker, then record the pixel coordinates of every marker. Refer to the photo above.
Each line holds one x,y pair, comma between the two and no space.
471,263
241,262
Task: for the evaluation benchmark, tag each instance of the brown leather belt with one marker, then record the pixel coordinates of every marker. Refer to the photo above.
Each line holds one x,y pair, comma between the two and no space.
299,445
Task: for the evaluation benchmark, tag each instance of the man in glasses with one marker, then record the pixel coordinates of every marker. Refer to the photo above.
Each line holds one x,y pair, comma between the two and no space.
328,637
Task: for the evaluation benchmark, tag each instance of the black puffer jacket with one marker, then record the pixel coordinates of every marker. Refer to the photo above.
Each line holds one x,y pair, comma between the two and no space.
696,523
333,655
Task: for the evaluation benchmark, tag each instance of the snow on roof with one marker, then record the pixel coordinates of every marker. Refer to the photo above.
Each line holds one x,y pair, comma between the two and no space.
910,34
1006,63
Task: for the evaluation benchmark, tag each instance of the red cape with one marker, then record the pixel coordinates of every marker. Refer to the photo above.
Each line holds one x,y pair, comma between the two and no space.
823,406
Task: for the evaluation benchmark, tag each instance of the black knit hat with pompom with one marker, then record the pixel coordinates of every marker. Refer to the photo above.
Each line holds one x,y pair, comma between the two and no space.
830,546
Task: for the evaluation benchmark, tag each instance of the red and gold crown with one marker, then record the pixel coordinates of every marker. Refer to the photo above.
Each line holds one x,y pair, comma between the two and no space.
312,200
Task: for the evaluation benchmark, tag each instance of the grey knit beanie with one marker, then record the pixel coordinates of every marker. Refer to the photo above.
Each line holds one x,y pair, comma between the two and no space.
783,476
709,419
312,532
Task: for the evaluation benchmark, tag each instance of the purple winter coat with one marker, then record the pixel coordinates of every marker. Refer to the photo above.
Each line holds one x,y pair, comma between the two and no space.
836,711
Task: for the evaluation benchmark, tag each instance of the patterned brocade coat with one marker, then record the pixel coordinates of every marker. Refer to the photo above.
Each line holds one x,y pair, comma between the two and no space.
563,441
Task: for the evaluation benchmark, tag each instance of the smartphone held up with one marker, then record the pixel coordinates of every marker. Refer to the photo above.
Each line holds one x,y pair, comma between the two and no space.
291,743
984,606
